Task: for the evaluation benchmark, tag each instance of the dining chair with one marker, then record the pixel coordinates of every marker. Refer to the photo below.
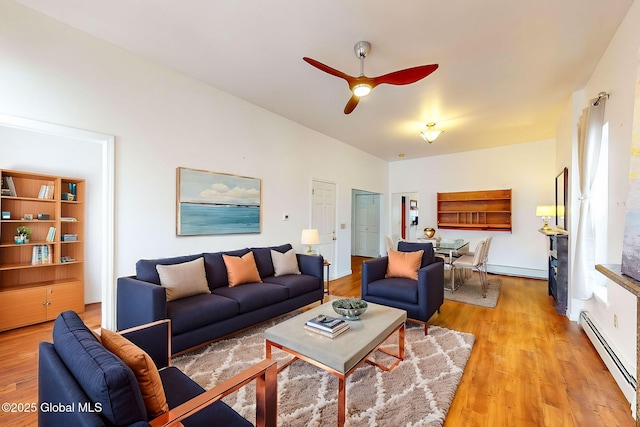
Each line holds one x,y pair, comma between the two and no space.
474,262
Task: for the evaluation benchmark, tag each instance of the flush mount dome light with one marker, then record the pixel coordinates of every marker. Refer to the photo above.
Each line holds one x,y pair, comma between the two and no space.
431,134
361,90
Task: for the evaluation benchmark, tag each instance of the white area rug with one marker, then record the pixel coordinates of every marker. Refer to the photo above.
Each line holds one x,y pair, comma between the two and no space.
470,292
418,392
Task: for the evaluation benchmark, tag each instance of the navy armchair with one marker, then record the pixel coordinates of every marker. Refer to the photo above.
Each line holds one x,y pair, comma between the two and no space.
419,298
81,383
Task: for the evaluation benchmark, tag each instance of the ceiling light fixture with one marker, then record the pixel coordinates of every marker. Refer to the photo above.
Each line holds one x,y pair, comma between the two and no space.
431,134
361,90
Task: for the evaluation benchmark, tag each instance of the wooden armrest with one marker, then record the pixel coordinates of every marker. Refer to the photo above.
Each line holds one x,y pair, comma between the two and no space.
265,373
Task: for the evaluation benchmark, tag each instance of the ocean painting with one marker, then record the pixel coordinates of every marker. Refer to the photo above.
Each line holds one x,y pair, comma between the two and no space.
217,203
631,242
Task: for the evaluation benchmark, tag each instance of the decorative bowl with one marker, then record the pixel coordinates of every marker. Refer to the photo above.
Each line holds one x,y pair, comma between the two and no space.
429,232
351,308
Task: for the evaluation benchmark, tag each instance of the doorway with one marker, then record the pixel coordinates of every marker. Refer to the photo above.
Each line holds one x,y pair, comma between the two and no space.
366,224
323,218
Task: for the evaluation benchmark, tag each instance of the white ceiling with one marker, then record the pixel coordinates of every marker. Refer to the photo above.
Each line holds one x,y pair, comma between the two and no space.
507,68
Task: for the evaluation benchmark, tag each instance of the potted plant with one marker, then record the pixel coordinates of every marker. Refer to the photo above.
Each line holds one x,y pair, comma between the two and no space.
24,233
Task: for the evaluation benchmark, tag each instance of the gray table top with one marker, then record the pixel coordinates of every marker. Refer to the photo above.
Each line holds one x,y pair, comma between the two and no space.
345,351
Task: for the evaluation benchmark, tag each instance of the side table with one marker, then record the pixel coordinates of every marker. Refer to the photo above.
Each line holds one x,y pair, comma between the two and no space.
327,264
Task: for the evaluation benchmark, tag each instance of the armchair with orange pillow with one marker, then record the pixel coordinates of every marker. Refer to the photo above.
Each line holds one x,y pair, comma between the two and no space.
410,279
125,379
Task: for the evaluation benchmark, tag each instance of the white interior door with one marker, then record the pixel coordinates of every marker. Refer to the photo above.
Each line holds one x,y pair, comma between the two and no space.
323,217
367,225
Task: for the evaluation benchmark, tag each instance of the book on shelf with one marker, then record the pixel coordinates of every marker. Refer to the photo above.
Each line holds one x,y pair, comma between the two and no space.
69,237
46,191
7,184
68,218
325,333
51,235
41,254
327,323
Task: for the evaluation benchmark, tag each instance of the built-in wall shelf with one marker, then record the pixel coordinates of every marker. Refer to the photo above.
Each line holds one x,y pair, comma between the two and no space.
475,210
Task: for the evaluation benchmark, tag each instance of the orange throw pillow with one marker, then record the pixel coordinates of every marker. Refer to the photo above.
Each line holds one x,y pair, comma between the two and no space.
241,270
143,367
404,264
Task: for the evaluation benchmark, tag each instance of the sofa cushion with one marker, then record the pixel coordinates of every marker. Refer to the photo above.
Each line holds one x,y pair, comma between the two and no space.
191,313
404,264
264,261
428,257
146,268
252,296
297,284
216,269
183,280
144,369
103,377
285,263
241,270
396,289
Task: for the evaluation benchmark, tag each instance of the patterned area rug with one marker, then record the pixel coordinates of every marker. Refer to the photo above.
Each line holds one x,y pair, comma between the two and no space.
418,392
470,292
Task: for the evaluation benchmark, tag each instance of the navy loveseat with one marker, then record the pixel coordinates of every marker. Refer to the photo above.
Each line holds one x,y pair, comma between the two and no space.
419,298
199,319
81,383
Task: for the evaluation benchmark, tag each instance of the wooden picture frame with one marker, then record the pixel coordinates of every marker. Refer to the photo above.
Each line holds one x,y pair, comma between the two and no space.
562,189
209,203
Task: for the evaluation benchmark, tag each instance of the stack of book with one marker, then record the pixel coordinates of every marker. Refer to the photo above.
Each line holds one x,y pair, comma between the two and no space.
327,326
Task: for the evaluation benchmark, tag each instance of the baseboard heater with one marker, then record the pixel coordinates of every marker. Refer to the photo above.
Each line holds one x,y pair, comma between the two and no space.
621,373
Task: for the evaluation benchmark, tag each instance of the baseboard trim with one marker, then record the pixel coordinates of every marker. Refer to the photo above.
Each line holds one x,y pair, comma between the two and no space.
506,270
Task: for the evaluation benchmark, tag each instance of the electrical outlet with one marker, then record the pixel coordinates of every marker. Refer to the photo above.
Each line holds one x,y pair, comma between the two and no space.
615,321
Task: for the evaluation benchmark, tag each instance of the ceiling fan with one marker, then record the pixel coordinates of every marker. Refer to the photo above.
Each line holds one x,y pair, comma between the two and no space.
361,86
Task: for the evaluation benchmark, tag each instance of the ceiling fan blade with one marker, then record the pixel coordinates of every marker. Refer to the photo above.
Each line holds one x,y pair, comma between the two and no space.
327,69
351,105
406,76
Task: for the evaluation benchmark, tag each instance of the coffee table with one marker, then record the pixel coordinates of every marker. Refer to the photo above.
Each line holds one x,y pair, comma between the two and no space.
342,355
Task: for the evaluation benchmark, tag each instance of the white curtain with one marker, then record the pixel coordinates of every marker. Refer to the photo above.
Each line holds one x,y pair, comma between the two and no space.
589,142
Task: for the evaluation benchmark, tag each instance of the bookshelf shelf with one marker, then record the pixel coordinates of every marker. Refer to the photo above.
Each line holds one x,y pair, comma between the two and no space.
475,210
35,285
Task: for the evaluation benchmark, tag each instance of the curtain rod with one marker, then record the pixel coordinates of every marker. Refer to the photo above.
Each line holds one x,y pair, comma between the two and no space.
600,96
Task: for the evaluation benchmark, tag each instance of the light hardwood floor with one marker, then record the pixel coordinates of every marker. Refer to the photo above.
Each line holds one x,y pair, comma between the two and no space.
529,366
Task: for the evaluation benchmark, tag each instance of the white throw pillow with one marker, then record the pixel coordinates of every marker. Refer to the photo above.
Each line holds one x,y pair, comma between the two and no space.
284,263
183,280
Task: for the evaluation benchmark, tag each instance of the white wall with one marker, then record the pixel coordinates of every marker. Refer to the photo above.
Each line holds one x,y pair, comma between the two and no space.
616,74
162,120
528,169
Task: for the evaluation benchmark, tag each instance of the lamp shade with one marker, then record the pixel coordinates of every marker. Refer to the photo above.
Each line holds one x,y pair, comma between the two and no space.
310,236
545,210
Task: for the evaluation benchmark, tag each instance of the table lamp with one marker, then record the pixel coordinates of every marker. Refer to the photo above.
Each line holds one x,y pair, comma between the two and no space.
546,212
310,237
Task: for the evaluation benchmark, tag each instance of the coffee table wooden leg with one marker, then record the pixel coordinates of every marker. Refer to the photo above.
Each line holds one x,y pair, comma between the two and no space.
342,400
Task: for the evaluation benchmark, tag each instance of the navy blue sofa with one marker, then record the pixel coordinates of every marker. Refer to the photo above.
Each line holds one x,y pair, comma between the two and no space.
199,319
81,383
419,298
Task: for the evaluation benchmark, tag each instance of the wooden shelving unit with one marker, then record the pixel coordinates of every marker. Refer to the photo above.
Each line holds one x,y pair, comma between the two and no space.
33,292
475,210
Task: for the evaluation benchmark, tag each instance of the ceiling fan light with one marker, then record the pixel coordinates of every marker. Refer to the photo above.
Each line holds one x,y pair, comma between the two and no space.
430,134
361,90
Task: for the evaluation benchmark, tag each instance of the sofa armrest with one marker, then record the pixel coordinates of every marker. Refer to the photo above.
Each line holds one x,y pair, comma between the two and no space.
373,270
154,338
139,302
311,265
265,373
